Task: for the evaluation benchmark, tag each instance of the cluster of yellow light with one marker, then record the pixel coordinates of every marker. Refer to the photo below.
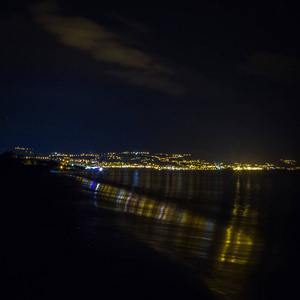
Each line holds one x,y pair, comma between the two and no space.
289,161
139,166
248,168
88,154
42,157
23,148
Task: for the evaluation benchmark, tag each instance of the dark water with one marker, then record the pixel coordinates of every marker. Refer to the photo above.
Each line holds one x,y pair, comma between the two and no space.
236,232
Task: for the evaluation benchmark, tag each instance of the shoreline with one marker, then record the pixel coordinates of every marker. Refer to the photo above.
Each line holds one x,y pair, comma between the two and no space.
49,254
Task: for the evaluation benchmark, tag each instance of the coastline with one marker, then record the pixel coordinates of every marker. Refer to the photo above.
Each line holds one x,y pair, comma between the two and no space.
48,254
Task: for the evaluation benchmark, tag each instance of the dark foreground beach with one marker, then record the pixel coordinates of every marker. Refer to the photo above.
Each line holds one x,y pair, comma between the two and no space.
48,253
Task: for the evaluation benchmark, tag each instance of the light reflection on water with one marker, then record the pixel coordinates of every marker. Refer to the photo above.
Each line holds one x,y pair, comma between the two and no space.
208,223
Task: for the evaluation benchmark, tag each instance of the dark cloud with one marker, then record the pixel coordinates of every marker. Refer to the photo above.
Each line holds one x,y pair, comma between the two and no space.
129,23
274,66
126,60
156,82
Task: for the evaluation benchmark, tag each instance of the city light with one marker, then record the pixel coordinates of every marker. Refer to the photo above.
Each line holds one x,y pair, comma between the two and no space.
147,160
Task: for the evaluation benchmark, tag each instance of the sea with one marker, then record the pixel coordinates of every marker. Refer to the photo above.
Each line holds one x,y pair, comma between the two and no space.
235,232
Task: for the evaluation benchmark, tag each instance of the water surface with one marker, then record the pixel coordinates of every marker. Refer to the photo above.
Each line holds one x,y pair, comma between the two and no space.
234,231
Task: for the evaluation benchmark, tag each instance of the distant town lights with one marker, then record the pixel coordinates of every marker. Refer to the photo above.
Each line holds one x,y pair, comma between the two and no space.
146,160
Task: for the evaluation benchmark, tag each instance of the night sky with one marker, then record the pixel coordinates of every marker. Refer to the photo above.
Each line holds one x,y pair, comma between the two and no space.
218,79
